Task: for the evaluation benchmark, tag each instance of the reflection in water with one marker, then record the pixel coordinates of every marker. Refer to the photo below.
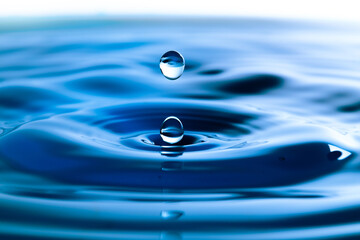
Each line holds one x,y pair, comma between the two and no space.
342,153
170,236
171,214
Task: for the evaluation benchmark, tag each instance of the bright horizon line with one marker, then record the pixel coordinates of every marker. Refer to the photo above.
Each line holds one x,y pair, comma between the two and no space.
344,10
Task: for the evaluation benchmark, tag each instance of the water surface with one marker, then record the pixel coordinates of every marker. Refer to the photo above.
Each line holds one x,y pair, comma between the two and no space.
270,111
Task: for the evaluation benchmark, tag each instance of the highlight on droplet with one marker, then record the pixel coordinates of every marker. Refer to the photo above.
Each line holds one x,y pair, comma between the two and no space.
172,65
171,130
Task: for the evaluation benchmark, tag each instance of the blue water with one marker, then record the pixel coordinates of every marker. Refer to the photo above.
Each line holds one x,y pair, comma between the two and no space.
270,111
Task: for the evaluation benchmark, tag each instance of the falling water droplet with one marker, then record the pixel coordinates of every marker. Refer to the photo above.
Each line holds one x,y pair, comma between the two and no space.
171,214
172,65
171,130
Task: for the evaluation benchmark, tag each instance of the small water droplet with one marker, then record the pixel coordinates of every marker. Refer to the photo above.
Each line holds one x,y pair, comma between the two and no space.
172,65
171,130
171,214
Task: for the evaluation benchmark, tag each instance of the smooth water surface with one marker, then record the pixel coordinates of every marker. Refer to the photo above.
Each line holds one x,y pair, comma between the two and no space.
271,130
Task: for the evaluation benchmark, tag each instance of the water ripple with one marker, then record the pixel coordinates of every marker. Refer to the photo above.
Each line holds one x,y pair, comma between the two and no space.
270,148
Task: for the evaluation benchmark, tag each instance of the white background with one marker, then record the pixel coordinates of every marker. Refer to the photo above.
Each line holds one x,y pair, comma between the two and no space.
346,10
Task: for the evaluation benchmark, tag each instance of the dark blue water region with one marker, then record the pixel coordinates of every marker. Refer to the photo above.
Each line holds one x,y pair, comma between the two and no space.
270,113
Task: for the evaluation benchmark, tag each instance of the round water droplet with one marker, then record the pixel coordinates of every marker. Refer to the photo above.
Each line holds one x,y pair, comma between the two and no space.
171,130
172,65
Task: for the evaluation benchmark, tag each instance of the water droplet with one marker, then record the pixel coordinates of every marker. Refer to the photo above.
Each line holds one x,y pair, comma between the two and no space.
171,130
171,214
172,65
